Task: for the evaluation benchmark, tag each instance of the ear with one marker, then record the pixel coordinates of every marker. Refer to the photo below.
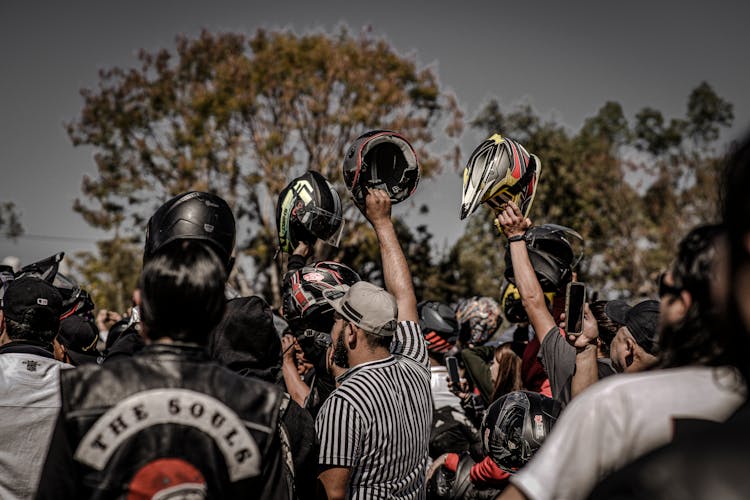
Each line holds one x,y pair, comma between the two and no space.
686,300
351,333
630,346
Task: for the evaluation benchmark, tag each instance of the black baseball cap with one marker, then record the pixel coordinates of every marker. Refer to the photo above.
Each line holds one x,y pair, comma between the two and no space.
641,320
34,302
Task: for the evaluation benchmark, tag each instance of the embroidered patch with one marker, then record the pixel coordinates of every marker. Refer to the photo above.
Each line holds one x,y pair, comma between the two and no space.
176,406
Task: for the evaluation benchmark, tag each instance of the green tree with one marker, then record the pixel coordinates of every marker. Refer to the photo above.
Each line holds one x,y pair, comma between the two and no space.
241,116
111,274
631,190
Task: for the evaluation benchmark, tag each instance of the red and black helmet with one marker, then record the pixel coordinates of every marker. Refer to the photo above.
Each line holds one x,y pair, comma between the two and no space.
381,159
302,295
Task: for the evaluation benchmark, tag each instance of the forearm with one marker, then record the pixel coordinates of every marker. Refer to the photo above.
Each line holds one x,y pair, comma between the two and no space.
396,271
586,372
530,290
296,388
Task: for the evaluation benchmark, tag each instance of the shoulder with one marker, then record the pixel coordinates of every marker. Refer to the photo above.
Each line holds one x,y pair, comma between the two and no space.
408,326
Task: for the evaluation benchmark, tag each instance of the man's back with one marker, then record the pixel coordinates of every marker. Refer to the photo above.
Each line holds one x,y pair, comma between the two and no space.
168,418
619,419
378,421
29,404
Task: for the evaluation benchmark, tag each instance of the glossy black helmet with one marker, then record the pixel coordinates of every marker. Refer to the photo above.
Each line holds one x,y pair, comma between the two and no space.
552,253
381,159
439,325
309,208
302,295
515,426
194,215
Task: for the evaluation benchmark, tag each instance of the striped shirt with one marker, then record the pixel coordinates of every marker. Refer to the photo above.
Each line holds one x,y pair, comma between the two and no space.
378,421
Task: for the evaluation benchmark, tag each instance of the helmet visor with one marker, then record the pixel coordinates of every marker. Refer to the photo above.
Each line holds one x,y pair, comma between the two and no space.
326,225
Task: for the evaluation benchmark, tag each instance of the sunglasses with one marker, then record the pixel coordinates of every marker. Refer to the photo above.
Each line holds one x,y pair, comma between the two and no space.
666,289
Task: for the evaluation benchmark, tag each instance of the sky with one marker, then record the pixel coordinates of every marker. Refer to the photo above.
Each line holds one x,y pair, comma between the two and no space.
564,58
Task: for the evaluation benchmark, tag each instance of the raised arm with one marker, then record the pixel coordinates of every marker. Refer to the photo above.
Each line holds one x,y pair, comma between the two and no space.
514,226
395,269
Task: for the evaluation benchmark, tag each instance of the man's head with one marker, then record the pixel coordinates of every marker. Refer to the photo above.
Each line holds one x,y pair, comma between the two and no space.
182,292
633,348
193,215
31,310
735,330
365,320
689,305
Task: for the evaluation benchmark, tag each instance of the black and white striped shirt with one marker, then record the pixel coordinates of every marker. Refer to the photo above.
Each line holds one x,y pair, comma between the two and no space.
378,421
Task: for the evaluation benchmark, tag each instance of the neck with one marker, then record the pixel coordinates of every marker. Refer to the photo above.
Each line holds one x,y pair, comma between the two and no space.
366,356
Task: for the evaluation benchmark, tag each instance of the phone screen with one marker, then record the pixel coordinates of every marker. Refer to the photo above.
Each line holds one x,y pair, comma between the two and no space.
575,297
452,363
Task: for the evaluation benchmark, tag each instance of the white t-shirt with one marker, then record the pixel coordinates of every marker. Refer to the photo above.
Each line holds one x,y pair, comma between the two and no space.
621,418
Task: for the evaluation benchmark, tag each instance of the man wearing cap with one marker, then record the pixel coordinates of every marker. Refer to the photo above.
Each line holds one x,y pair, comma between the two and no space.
374,428
633,348
29,387
619,419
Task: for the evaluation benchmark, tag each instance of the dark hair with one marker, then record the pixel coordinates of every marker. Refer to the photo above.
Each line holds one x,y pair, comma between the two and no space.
182,292
508,372
607,327
691,340
735,211
23,331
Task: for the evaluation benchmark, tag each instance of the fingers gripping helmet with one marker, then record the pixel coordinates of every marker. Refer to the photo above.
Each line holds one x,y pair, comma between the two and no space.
381,159
302,295
194,215
309,208
439,326
500,170
477,319
515,426
552,255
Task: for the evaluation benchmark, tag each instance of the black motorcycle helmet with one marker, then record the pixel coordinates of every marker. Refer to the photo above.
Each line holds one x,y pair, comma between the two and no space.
439,326
381,159
551,253
309,208
194,215
515,426
302,295
75,300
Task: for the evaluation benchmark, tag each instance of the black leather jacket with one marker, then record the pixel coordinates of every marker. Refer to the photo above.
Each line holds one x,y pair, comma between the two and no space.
166,418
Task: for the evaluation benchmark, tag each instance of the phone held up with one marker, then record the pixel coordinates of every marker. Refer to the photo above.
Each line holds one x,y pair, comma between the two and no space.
575,298
452,363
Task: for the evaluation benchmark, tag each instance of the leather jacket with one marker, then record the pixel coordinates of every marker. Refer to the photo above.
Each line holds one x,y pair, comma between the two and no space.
167,418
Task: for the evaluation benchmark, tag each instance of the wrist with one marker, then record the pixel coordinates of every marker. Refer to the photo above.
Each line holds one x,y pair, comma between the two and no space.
512,238
587,349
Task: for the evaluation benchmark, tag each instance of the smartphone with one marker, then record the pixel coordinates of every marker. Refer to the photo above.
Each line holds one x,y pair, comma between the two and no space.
452,363
575,297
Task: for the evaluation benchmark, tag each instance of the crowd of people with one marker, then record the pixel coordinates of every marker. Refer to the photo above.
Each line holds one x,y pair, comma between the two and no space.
354,390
